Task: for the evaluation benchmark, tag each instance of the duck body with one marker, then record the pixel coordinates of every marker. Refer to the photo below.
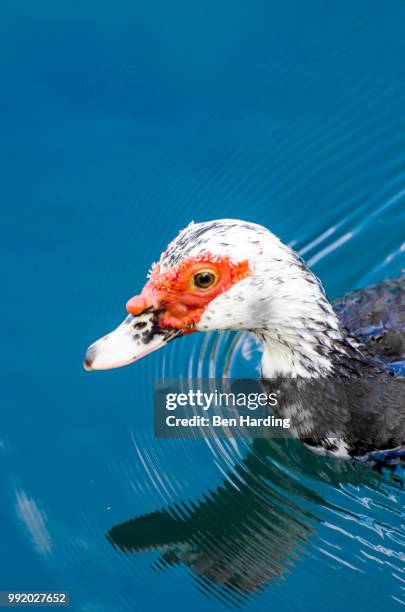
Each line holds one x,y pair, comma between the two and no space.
365,390
376,316
235,275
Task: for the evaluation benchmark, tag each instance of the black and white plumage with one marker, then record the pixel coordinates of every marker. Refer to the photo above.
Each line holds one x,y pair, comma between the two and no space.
304,338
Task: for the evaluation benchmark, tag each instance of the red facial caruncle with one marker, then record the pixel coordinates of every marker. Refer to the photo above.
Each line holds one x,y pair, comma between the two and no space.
180,294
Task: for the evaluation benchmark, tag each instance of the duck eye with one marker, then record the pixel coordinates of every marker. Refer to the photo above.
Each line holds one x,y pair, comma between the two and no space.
204,279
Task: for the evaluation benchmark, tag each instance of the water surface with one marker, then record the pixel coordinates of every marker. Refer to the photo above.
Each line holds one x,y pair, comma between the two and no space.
121,122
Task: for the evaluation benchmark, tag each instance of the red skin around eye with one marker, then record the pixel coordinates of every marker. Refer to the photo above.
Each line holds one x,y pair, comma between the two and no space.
173,292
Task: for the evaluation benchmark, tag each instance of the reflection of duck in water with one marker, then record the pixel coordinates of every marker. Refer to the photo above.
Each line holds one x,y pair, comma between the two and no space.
246,534
230,274
239,538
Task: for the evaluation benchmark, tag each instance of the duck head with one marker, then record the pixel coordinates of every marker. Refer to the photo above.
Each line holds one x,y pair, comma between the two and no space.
225,275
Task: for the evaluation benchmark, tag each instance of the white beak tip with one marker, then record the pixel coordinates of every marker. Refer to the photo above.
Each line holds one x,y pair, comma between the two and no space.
127,344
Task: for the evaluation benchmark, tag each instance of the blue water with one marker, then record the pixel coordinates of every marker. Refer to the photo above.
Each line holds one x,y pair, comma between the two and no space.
121,122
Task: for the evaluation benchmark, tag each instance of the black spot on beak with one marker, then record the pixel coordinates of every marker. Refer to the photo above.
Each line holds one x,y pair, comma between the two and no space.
89,357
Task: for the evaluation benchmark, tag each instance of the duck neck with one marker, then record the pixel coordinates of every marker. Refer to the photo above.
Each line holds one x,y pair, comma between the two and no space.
302,337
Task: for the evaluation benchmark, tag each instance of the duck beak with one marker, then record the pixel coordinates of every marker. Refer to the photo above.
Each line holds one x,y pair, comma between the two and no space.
137,336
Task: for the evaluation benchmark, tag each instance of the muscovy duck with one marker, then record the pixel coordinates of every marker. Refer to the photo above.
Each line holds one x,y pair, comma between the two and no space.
235,275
